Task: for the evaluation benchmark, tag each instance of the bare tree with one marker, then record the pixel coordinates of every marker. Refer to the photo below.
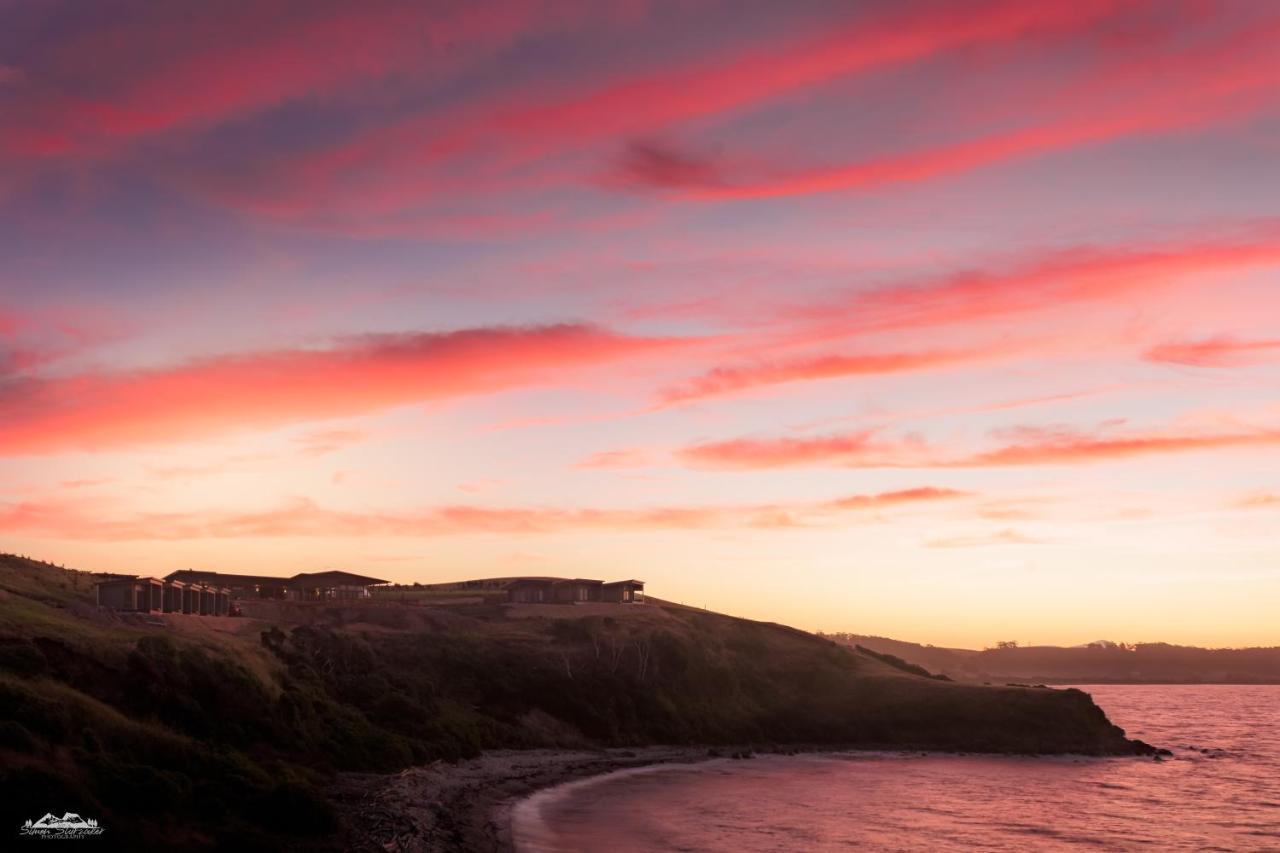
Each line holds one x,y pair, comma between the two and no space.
644,647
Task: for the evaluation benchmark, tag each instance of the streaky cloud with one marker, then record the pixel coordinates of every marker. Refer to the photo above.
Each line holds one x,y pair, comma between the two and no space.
362,374
1222,351
303,517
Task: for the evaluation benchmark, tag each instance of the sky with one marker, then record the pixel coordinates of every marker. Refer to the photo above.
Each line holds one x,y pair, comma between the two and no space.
951,322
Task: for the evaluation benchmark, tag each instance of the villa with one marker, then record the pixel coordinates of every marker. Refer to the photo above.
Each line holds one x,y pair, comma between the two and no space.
551,590
211,593
156,595
314,586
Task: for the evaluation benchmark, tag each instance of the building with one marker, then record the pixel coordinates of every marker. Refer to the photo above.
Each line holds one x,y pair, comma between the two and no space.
576,590
124,594
624,592
331,586
530,590
572,591
241,586
315,586
156,595
553,590
174,593
140,595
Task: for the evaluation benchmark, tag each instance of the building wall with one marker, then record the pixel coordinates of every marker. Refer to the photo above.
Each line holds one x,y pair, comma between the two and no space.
568,593
529,594
328,593
154,596
172,598
624,593
119,596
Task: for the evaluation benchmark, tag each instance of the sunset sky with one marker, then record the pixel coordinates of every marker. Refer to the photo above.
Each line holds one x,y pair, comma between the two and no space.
952,322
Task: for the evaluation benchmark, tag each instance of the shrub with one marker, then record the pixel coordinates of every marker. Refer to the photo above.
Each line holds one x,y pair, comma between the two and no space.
16,737
22,658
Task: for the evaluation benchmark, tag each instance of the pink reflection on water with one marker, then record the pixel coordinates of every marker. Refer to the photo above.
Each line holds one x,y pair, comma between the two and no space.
1221,791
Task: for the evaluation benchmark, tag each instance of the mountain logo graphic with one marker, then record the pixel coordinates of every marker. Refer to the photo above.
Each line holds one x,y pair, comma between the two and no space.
70,825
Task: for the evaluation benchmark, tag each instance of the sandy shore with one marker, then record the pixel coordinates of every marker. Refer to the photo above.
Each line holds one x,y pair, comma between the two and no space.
467,806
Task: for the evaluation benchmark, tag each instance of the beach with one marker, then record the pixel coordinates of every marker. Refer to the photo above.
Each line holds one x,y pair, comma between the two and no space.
467,805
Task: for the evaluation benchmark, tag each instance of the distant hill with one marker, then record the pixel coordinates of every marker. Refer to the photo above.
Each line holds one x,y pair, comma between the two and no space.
220,732
1096,663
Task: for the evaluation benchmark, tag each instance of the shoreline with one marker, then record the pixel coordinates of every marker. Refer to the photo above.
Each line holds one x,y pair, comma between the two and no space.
468,806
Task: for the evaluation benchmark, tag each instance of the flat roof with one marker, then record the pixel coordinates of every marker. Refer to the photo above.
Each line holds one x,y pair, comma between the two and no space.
203,576
336,575
200,576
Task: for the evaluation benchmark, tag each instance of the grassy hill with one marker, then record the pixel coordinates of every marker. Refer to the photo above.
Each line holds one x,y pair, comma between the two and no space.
215,731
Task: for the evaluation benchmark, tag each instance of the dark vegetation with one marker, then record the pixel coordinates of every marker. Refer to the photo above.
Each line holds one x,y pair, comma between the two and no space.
176,738
898,663
1095,663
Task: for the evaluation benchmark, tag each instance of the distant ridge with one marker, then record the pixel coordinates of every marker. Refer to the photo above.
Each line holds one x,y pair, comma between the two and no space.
1100,662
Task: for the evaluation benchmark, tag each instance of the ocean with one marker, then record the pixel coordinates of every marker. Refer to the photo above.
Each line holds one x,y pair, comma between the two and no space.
1219,791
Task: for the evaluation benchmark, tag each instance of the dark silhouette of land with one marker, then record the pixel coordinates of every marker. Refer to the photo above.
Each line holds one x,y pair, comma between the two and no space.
278,730
1094,663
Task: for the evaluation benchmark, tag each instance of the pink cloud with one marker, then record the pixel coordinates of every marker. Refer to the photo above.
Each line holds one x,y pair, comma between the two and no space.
722,381
166,69
1216,352
1040,282
1234,78
1024,446
1258,500
266,389
885,499
747,453
762,73
1007,536
304,518
628,458
1032,283
85,483
1061,446
497,136
325,441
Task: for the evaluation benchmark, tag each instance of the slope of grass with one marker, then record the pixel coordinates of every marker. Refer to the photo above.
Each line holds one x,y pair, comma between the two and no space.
222,732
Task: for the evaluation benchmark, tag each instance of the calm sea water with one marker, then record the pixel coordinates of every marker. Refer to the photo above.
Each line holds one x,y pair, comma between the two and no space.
1220,791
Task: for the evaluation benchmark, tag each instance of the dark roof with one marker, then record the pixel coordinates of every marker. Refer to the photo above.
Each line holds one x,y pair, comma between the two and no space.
346,578
302,579
194,576
542,581
616,583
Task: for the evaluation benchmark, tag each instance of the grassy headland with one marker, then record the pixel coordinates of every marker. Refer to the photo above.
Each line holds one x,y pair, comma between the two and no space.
216,731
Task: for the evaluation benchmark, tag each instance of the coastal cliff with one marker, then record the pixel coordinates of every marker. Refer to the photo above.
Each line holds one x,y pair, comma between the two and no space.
211,731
